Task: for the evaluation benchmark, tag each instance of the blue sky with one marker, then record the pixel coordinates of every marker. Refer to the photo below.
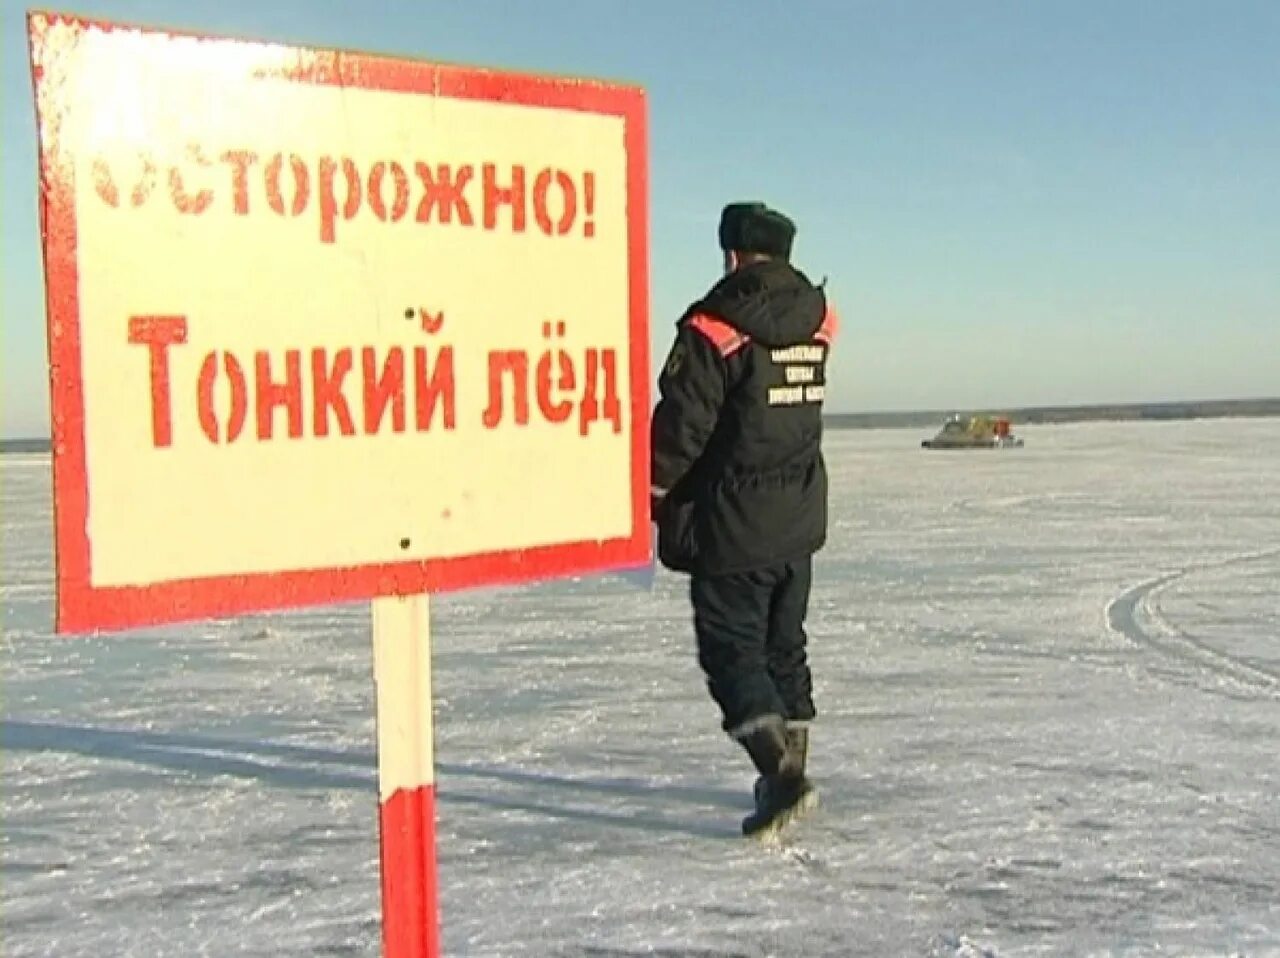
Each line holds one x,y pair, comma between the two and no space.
1015,203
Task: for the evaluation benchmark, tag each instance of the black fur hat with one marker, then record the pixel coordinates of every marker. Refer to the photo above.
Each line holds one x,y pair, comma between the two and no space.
754,228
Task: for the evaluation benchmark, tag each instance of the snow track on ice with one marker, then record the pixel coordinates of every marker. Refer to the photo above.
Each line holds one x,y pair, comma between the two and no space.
1123,615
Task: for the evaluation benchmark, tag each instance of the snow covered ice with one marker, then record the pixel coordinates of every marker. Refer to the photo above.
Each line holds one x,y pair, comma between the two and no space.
1049,685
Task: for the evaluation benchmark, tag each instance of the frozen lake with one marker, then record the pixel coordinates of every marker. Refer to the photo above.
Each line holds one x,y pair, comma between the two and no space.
1049,686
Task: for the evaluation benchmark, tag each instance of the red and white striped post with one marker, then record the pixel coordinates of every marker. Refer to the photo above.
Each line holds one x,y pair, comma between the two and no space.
406,776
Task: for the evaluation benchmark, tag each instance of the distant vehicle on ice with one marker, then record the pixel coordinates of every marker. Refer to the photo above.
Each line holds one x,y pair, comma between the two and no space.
977,432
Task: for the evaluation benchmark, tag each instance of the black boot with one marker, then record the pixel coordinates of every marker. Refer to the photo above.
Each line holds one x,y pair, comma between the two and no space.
795,760
765,740
797,749
782,792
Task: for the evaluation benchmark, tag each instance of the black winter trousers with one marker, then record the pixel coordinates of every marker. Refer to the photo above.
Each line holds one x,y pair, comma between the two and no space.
751,641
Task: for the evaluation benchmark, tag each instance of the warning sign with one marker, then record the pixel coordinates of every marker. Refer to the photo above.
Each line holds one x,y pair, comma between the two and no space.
326,326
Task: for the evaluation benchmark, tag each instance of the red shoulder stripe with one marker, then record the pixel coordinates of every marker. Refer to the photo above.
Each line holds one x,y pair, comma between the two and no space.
723,337
830,326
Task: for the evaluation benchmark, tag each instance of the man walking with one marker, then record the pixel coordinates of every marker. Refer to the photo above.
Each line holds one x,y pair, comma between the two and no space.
740,493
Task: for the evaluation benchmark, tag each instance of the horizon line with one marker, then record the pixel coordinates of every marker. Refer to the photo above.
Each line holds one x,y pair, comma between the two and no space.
950,410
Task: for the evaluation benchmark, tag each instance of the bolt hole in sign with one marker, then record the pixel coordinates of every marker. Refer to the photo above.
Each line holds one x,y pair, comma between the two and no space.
327,326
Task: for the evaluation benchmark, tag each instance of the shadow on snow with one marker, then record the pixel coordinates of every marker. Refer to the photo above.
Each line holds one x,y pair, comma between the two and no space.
305,766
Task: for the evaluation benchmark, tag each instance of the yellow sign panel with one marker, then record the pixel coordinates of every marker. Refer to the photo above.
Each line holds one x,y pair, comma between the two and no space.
327,326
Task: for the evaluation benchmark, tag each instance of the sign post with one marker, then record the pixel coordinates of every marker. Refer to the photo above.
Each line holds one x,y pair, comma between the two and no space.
406,780
327,326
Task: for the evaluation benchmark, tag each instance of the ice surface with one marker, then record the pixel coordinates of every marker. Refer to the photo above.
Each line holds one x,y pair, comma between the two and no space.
1049,684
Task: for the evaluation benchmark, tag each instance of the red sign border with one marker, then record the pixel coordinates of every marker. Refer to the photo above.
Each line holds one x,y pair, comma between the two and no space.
83,607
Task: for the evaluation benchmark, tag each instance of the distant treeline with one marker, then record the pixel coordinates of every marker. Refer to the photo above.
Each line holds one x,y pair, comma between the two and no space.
24,445
1031,415
1048,415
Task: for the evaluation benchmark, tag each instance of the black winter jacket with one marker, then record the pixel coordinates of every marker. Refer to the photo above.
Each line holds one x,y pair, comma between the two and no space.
736,435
